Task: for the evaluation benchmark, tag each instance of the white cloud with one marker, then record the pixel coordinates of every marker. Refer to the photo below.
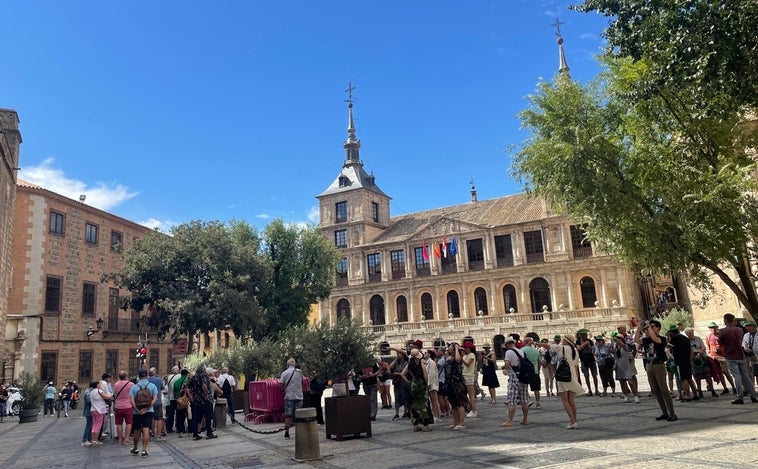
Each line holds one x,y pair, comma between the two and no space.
313,215
589,36
101,195
164,226
263,216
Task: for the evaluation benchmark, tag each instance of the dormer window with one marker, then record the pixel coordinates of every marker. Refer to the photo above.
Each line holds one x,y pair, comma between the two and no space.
344,181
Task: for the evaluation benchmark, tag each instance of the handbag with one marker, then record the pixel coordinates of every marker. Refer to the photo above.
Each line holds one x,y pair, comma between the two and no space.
563,370
182,402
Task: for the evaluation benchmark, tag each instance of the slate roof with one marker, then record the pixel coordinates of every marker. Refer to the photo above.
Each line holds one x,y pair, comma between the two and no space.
359,179
503,211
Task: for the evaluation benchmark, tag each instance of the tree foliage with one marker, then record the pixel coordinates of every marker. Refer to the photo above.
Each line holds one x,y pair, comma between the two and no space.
321,350
211,275
657,156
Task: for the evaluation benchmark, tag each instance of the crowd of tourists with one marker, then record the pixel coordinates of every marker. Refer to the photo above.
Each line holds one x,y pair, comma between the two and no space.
153,407
434,384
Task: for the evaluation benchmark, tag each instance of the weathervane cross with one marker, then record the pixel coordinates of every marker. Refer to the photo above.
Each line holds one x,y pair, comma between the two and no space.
349,92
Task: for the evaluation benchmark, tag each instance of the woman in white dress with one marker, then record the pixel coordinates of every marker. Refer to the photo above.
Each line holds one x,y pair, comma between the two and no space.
567,390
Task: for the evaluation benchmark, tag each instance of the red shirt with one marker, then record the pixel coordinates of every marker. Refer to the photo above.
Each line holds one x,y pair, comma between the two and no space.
730,339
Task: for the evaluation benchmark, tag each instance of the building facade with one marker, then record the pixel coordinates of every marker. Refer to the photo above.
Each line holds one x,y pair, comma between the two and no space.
64,320
482,269
10,141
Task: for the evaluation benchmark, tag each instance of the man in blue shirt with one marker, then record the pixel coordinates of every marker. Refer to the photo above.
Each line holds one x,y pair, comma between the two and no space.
50,393
143,412
153,377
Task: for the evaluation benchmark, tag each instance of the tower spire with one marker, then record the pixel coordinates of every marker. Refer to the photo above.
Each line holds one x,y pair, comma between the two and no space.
563,67
352,145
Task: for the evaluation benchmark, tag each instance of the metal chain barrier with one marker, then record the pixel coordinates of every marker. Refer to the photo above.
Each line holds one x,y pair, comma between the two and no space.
252,430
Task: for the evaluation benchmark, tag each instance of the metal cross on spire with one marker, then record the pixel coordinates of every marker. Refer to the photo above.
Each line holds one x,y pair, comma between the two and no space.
349,92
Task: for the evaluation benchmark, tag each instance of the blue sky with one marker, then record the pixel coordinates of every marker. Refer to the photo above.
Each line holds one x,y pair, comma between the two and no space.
171,111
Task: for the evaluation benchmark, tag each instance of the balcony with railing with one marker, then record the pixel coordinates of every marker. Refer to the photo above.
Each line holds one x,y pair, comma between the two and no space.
535,258
375,277
423,272
475,265
449,268
506,261
506,320
397,274
582,252
342,280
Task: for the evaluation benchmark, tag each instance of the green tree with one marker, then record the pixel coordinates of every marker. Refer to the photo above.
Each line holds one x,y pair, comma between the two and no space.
656,154
204,276
302,272
210,275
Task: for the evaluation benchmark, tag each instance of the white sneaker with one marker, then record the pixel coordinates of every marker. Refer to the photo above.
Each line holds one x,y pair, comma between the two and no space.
471,414
626,400
537,405
636,400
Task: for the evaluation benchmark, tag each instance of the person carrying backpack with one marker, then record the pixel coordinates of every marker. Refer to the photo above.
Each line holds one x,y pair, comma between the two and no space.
518,391
228,385
142,395
566,375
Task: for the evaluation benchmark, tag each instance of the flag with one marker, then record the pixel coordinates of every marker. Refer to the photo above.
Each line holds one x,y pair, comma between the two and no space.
437,249
444,247
425,252
453,247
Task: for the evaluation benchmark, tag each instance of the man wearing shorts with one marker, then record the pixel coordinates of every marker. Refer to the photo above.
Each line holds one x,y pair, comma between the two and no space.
152,377
291,382
123,405
142,418
518,392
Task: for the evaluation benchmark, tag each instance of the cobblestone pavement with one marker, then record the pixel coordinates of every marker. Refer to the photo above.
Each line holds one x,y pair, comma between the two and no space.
711,432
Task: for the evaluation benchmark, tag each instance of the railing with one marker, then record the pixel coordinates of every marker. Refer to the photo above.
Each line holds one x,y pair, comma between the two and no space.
583,251
342,281
122,325
398,274
377,277
518,318
450,268
536,258
476,265
506,261
423,272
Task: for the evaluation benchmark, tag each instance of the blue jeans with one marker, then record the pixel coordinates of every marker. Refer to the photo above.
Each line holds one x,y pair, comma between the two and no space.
738,369
87,436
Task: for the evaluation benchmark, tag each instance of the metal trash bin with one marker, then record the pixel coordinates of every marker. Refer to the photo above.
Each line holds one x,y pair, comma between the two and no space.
306,435
219,412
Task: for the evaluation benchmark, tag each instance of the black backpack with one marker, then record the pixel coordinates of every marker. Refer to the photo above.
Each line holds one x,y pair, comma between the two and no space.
226,388
525,371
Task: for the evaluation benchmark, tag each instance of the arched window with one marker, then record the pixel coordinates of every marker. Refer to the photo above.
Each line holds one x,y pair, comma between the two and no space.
480,300
452,304
376,308
427,308
343,309
539,292
509,299
402,309
587,287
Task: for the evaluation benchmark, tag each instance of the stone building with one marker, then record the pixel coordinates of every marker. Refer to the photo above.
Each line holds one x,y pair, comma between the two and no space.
482,269
67,322
10,141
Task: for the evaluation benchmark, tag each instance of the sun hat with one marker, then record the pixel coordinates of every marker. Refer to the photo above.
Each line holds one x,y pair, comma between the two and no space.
582,331
508,340
712,324
673,327
486,346
569,338
468,344
418,343
557,337
749,323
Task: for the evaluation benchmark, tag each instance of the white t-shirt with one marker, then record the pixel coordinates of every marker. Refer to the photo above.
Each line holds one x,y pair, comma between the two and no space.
223,378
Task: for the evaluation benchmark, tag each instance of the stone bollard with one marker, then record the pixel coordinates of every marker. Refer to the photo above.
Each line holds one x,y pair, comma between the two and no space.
219,412
306,435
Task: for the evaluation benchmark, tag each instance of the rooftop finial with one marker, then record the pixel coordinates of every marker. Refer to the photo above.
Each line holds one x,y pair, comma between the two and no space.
352,144
562,64
473,190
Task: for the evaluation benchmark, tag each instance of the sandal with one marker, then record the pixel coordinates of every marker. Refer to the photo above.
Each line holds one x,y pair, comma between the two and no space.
416,429
426,429
459,427
506,424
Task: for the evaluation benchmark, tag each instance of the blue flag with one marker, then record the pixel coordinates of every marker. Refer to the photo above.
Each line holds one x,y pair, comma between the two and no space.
453,247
